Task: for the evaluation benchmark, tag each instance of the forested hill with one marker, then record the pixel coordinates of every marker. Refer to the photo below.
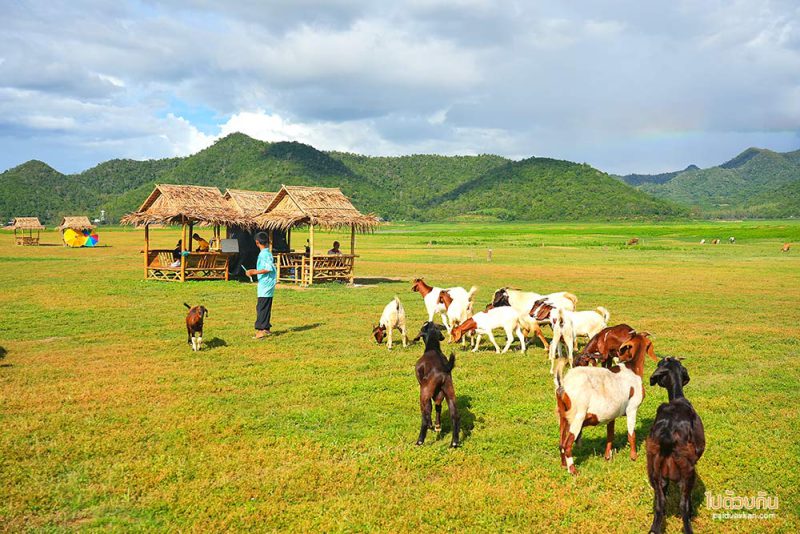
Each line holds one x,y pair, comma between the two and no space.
756,183
418,187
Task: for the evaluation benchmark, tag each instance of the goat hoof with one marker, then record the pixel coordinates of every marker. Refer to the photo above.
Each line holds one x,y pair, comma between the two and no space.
454,445
634,456
419,443
438,428
573,471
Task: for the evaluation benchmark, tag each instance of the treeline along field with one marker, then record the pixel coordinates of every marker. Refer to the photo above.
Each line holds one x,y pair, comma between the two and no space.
111,421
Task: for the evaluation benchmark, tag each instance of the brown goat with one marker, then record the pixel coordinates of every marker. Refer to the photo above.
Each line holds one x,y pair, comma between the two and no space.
633,241
434,375
786,247
194,325
604,346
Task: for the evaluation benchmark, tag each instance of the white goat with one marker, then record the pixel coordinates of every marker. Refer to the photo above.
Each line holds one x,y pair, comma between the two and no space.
595,395
393,316
523,302
563,332
504,317
430,296
457,305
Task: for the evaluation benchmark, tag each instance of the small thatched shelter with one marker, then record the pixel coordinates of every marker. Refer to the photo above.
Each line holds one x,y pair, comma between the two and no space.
78,223
327,208
23,224
187,205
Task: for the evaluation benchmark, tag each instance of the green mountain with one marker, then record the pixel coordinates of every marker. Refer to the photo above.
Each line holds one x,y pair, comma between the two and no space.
755,183
418,187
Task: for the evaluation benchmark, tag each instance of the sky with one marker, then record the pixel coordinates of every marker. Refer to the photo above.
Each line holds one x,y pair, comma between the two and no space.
626,86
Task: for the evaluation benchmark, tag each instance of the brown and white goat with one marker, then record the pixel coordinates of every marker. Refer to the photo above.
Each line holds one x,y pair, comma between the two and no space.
604,346
430,296
675,444
590,396
194,325
786,247
434,375
393,316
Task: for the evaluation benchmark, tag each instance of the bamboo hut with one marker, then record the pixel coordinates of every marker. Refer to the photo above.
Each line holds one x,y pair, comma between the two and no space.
314,207
22,225
250,204
77,224
187,206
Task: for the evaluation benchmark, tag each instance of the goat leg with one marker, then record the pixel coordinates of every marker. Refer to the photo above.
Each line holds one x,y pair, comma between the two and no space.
609,439
686,502
425,408
454,416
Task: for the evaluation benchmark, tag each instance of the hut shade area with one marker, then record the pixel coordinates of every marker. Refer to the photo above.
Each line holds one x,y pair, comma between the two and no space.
187,205
323,207
23,225
251,204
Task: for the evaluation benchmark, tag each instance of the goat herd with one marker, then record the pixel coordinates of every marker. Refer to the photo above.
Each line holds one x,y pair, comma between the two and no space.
603,384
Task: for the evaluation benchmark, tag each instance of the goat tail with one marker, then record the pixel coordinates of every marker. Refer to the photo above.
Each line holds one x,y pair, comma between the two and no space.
604,312
187,305
663,433
572,298
471,293
452,362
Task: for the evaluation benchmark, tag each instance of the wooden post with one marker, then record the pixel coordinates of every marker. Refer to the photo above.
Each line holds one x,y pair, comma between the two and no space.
146,248
352,239
183,247
270,240
311,255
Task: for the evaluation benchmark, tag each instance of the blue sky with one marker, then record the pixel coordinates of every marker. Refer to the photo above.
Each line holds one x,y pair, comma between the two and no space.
626,86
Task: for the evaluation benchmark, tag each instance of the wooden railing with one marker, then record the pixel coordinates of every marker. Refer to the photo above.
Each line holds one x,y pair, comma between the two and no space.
194,266
297,268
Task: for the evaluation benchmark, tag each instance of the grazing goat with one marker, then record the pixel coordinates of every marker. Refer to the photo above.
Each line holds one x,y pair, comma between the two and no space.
483,323
393,316
458,307
786,247
633,241
715,242
194,325
434,374
590,396
675,444
702,241
523,301
731,240
604,346
430,296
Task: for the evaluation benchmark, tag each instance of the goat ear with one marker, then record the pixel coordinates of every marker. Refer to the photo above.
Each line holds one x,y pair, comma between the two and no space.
625,347
684,375
205,311
657,375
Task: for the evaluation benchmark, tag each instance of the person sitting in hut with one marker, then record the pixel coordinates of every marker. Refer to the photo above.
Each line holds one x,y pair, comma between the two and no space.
335,250
202,244
307,252
176,254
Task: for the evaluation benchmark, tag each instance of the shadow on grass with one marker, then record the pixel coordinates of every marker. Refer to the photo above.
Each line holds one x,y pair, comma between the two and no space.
371,281
215,342
301,328
463,403
595,443
3,352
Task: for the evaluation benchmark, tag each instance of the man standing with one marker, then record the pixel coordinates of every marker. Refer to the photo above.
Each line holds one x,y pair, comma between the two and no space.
265,269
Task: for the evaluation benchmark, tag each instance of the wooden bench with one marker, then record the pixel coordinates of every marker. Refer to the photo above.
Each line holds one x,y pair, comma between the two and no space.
197,266
26,240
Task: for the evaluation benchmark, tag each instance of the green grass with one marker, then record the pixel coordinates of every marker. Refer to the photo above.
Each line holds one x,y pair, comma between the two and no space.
109,421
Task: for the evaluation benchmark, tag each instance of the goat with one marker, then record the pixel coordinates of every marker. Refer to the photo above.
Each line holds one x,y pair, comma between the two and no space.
481,323
633,241
590,396
702,241
731,240
675,444
393,316
604,346
430,296
458,307
786,247
194,325
715,242
523,301
563,332
583,323
434,375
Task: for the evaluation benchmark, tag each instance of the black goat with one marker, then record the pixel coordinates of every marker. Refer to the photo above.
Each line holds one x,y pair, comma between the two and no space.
433,372
675,443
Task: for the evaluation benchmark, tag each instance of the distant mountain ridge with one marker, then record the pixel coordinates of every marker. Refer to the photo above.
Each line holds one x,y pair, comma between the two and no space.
417,187
756,183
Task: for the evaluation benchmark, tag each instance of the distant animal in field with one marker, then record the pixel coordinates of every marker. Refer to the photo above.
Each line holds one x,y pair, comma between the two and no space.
194,325
633,241
715,242
393,316
731,240
435,378
430,296
590,396
786,247
676,442
702,241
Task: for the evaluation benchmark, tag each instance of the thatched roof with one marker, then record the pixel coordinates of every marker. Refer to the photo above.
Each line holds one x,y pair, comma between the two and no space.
26,223
321,206
250,203
77,223
172,204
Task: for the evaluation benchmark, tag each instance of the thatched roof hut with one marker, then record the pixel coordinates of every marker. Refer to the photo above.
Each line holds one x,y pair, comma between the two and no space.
78,223
26,223
326,207
178,204
250,203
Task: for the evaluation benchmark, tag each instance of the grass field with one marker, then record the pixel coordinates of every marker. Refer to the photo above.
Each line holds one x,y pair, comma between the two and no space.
109,421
